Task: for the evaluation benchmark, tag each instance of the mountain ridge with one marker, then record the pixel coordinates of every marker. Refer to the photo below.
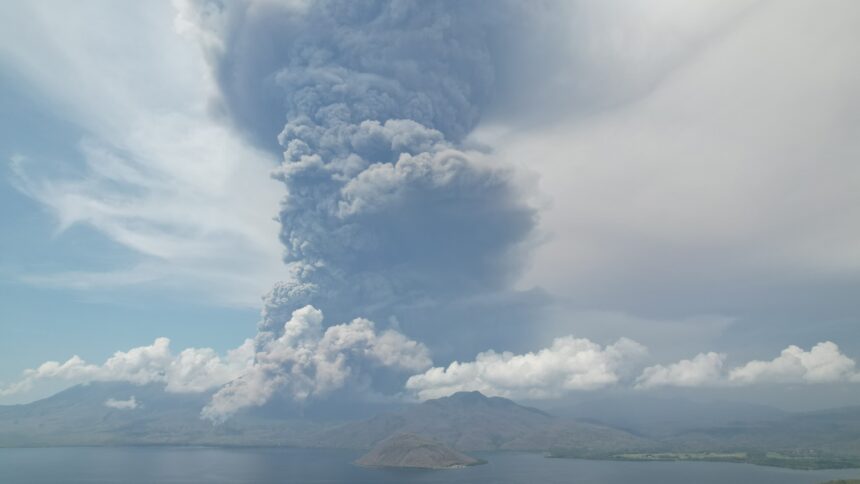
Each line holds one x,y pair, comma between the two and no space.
466,421
470,421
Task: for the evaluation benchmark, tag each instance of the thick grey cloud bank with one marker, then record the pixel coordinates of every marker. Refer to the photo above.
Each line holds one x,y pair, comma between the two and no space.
728,187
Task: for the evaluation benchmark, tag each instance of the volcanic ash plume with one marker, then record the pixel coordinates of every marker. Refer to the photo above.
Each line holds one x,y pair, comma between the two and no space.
385,210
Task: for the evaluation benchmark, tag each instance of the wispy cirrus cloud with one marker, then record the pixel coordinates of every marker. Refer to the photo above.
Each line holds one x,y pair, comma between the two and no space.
156,170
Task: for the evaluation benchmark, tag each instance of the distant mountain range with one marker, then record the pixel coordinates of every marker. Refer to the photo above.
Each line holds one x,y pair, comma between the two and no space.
660,416
80,416
472,421
105,414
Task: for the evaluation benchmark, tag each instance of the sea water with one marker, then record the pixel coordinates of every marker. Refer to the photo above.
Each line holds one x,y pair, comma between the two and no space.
189,465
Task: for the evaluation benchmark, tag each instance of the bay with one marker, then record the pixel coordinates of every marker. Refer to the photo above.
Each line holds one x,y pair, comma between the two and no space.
188,465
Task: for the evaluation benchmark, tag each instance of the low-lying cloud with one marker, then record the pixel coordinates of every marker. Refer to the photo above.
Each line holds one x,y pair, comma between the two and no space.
130,403
307,360
193,370
311,361
703,369
569,364
823,363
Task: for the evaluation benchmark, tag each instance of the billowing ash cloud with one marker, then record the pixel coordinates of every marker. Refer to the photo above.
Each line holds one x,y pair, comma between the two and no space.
386,215
383,209
569,364
393,215
309,361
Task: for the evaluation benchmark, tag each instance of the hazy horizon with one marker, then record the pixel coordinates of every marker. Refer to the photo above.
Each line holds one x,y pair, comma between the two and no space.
375,202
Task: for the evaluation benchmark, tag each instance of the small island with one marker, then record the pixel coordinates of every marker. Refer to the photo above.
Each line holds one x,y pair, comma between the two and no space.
414,451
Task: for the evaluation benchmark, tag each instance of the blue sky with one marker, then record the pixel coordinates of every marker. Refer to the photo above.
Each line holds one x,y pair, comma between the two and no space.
59,318
562,197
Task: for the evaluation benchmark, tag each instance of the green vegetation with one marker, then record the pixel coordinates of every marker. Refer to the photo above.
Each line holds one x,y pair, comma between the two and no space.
792,460
803,460
709,456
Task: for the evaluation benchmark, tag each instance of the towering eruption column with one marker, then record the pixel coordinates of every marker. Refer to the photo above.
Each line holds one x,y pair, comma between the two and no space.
383,210
386,215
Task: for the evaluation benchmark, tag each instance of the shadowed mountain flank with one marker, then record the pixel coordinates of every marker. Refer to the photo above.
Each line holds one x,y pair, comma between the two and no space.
472,421
124,414
81,415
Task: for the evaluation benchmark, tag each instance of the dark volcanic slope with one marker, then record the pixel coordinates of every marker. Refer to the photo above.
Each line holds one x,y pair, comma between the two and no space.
472,421
410,450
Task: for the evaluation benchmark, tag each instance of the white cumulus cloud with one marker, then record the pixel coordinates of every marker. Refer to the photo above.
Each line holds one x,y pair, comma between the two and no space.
192,370
704,368
307,360
568,364
823,363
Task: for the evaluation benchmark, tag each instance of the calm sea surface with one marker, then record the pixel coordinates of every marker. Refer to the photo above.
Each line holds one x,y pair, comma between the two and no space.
263,465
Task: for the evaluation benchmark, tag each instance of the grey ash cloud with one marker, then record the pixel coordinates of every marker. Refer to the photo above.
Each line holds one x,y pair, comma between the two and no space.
387,214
